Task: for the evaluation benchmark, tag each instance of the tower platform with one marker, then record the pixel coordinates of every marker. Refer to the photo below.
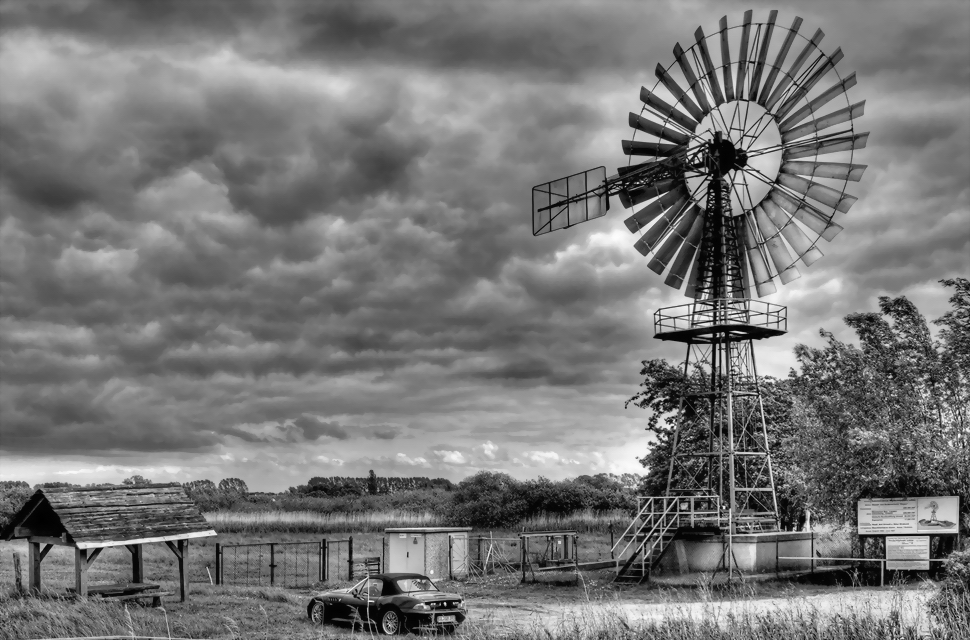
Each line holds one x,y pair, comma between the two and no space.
720,320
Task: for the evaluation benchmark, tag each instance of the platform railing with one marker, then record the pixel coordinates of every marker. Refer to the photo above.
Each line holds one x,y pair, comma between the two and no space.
719,312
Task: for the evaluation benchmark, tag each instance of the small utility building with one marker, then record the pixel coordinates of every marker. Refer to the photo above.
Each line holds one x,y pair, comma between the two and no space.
437,552
91,519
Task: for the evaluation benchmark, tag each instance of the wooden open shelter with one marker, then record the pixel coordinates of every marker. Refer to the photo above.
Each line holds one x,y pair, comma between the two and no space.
94,518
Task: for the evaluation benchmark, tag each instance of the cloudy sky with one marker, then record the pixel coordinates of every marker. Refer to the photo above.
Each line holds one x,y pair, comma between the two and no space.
280,240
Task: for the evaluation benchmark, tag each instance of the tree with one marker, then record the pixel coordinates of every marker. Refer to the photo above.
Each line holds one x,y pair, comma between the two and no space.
204,493
372,483
881,419
886,418
488,499
13,495
233,486
136,481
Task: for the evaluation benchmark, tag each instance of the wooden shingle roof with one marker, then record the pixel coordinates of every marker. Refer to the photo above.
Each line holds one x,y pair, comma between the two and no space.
110,516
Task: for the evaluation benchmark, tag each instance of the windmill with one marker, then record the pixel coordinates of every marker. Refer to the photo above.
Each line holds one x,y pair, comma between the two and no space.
737,172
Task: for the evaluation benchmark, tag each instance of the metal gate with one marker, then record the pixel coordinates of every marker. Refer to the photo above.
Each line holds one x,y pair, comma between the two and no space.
283,564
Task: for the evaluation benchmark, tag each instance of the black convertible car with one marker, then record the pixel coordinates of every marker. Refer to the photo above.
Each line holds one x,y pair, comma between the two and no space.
394,602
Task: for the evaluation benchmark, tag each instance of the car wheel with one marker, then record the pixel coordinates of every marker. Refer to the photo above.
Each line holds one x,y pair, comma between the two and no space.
318,613
391,622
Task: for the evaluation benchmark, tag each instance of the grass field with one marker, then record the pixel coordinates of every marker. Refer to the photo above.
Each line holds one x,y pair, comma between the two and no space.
502,607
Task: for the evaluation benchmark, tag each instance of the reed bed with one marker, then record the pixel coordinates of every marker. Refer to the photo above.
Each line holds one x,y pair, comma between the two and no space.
307,521
315,521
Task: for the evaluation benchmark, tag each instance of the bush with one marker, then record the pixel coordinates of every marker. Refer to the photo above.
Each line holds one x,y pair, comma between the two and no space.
950,607
13,495
489,500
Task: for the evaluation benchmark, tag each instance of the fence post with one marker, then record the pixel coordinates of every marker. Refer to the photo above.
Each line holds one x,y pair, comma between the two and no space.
323,545
350,558
813,551
611,541
272,563
218,563
326,560
17,576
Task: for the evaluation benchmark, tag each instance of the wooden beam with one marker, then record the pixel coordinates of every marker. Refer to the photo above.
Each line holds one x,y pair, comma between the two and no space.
176,550
94,555
59,540
28,532
81,572
43,554
93,544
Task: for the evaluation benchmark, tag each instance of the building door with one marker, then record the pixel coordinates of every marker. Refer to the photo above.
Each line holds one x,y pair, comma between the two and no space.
397,552
459,555
415,553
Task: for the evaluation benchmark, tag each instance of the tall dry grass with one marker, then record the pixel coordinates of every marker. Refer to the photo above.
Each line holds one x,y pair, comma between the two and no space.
376,521
317,522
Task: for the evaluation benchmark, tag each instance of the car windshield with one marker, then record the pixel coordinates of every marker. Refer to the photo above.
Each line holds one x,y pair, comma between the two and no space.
408,585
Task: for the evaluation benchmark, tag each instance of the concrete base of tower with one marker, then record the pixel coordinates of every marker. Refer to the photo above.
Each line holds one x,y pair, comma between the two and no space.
754,553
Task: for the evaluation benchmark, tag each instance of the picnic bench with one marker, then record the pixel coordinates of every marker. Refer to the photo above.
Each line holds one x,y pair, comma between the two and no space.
127,591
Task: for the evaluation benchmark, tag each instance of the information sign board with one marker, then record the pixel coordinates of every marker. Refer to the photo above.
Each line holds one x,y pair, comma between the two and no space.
908,552
893,516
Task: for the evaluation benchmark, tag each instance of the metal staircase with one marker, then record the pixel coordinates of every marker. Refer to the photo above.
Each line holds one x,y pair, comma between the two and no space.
655,527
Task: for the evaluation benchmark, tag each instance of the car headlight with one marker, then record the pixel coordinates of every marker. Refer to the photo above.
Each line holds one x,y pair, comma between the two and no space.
421,607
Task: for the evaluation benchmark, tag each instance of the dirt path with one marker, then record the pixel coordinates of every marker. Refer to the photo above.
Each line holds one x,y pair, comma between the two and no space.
880,602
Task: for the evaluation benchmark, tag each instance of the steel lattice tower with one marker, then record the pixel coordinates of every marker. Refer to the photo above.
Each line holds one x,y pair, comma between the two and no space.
720,446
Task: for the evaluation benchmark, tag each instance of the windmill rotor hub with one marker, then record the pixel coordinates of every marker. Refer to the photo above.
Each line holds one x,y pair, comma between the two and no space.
723,156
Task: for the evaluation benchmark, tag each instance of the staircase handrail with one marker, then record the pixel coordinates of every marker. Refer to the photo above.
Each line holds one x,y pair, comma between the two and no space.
658,536
673,503
636,519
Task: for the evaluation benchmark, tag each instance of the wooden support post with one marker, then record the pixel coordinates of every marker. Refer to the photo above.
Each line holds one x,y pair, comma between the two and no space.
17,577
218,563
33,567
321,558
182,553
183,578
525,555
137,563
80,572
325,571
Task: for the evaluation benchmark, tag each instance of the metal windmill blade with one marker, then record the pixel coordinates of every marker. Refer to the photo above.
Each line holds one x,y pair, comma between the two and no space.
757,110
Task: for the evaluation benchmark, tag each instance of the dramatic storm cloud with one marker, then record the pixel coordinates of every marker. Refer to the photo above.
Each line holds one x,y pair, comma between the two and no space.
279,240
